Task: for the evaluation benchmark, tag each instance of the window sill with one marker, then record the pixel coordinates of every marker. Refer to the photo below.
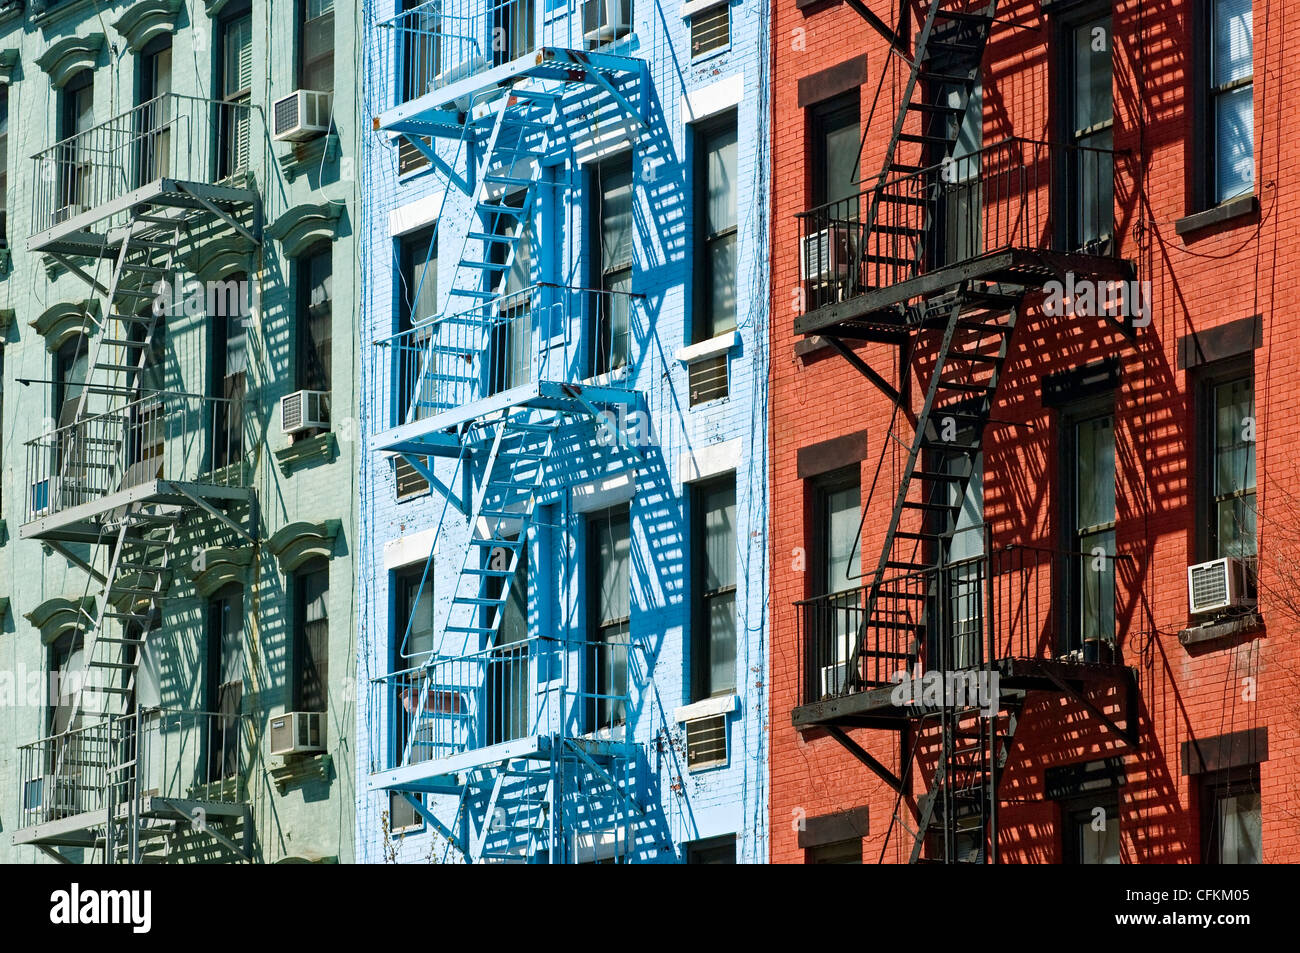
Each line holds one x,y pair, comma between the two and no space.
1232,209
1222,630
718,705
692,7
710,348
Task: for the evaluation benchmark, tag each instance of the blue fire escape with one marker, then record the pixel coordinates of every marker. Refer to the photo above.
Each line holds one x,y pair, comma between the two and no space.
491,386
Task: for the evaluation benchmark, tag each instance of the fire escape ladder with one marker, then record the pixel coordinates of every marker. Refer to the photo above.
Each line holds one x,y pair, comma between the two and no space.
977,331
901,211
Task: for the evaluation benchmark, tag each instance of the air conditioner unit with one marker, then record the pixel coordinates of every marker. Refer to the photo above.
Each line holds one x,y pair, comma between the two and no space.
834,679
304,410
298,732
825,255
605,20
53,797
1219,584
303,114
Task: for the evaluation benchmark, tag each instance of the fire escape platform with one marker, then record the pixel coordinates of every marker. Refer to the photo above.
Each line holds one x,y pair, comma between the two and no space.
440,775
875,707
76,236
435,435
881,313
82,523
441,112
81,830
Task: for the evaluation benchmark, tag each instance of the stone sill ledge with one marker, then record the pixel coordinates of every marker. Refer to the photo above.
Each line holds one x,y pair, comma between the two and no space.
1221,629
1233,208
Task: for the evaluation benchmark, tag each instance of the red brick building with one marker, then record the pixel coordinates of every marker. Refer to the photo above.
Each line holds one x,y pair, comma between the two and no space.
1037,474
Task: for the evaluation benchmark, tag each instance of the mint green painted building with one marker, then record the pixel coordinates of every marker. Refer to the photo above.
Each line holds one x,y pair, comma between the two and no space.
177,431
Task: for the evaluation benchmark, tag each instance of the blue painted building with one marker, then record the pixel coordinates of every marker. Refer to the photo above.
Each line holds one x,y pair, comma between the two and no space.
562,540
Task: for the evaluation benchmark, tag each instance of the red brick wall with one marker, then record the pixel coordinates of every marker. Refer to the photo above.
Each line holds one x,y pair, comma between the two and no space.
1233,271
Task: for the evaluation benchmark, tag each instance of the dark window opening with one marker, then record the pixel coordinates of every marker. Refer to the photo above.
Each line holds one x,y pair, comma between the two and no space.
1091,831
311,637
715,228
225,688
316,48
713,562
1089,488
609,585
1231,817
714,850
610,245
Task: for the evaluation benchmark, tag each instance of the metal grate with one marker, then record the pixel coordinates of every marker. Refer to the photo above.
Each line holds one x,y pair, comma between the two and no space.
286,114
708,379
711,30
409,481
1209,584
706,742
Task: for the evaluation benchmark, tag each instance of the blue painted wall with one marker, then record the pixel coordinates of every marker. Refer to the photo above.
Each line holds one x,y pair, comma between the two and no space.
681,806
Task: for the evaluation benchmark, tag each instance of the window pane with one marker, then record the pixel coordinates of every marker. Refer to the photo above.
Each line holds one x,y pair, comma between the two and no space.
238,68
418,615
613,546
420,278
1097,585
1234,131
720,203
722,287
615,216
843,518
1092,74
1233,41
1234,416
720,538
1099,847
1095,472
1236,525
722,643
841,159
1241,823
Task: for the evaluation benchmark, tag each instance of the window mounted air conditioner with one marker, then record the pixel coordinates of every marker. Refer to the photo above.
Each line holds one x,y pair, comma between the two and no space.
297,732
304,410
1219,584
52,797
834,679
825,256
605,20
303,114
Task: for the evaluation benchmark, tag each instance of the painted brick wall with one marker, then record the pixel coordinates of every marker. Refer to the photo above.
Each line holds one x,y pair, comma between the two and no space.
1200,281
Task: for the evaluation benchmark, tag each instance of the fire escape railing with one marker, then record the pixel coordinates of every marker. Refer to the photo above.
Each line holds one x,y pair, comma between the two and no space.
165,753
1014,194
515,339
490,696
163,435
444,41
1020,602
172,136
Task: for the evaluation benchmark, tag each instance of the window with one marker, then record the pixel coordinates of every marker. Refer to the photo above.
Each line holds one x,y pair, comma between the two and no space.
963,581
153,144
147,429
715,228
311,650
76,116
834,192
1229,432
421,54
225,679
316,48
611,263
229,380
413,617
1231,819
711,30
417,303
834,138
1091,831
512,333
1090,131
840,852
315,318
66,661
512,29
837,501
235,83
507,669
4,163
71,362
402,815
713,559
608,556
1090,456
962,204
707,379
604,21
715,850
1231,107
